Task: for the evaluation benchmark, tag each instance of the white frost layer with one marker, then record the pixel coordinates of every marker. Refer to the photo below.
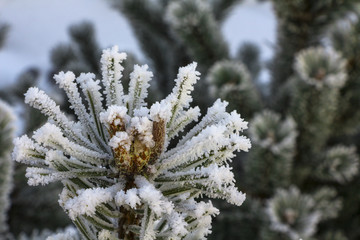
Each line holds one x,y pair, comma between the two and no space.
87,201
114,115
121,139
112,69
142,127
139,83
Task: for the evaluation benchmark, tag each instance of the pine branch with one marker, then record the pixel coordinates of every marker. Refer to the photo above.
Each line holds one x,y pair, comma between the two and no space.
120,176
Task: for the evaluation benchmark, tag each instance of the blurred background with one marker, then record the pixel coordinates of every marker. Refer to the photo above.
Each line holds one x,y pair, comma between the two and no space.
290,68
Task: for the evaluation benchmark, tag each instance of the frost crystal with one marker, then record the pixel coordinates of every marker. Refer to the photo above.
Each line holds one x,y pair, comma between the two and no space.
319,66
293,213
121,179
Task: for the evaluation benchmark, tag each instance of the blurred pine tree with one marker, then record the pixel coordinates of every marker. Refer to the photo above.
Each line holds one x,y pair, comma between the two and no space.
7,133
305,123
20,217
302,176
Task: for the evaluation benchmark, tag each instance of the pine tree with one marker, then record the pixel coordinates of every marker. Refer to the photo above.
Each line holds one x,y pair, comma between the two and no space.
19,217
304,124
122,179
7,132
302,172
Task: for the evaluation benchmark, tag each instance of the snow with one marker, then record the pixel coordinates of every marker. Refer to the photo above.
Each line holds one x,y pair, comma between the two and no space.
129,198
160,111
194,168
185,80
106,235
142,127
121,139
51,136
192,114
27,151
65,79
87,201
138,86
114,114
141,112
178,224
153,197
91,89
112,69
39,25
214,115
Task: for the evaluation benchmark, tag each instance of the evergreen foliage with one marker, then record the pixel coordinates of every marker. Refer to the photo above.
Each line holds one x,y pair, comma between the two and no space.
154,33
345,39
23,219
81,55
301,176
7,132
232,82
305,121
301,24
121,178
249,54
20,217
272,157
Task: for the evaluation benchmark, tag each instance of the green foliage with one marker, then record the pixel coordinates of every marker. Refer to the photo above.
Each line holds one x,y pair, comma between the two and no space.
165,52
269,165
301,24
293,213
311,99
21,217
231,81
340,164
333,235
302,171
314,111
345,39
7,132
194,23
249,55
327,202
319,76
81,55
252,218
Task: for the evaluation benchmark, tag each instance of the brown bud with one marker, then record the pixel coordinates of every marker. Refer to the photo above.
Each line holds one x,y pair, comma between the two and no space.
158,133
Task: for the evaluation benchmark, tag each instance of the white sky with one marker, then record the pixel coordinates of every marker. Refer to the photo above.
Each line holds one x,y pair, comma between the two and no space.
39,25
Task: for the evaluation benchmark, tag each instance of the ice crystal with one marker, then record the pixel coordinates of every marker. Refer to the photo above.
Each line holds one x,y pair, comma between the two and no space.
121,179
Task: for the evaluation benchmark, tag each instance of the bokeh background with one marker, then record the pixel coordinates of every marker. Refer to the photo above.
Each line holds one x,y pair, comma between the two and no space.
291,68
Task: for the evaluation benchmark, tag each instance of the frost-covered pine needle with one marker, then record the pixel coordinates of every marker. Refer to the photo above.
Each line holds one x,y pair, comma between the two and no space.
121,180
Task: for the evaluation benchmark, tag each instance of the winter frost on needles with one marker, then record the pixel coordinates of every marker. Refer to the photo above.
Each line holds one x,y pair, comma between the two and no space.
121,179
